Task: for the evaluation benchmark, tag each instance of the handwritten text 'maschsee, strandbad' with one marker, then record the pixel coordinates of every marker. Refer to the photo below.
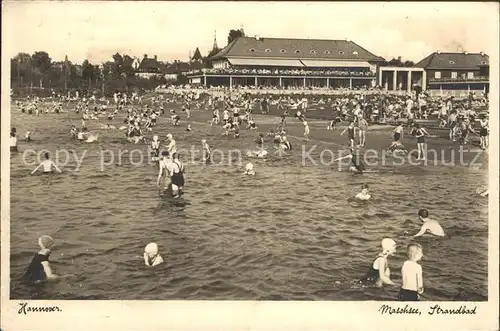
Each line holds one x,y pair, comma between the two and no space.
25,309
433,310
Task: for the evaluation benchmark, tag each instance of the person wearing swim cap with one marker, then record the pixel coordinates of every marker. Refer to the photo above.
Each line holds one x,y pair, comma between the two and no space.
39,269
249,169
152,257
363,195
379,272
429,225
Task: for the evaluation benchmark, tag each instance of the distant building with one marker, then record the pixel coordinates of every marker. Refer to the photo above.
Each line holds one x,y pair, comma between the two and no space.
197,56
256,61
457,71
149,67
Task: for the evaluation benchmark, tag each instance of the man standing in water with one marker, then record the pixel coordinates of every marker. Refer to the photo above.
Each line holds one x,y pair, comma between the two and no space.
47,165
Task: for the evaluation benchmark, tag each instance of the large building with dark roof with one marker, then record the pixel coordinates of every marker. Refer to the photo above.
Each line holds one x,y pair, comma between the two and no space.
256,61
456,71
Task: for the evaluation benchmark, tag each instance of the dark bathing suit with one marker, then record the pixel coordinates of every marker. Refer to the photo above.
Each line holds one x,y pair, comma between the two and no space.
35,272
407,295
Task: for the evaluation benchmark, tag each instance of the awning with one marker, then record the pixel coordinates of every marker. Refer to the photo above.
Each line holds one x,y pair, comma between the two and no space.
335,64
266,62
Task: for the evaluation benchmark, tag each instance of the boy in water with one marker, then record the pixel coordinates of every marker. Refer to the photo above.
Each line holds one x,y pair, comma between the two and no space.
39,269
164,170
47,165
411,272
151,256
379,272
431,226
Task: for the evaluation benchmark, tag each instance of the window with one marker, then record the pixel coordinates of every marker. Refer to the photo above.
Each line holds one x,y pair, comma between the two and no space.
484,62
327,52
454,75
452,62
470,75
297,52
283,51
355,53
312,51
341,52
437,75
268,50
252,50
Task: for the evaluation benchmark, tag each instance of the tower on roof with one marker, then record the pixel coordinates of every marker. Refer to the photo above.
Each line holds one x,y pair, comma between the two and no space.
215,48
197,56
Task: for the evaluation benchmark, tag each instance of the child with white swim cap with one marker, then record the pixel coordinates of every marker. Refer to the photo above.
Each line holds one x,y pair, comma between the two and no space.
152,257
379,272
363,195
249,169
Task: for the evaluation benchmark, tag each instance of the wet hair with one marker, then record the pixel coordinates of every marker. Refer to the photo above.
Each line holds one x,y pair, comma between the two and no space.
423,213
46,155
365,186
412,250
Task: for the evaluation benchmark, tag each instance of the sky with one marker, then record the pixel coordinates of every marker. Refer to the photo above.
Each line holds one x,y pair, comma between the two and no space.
96,30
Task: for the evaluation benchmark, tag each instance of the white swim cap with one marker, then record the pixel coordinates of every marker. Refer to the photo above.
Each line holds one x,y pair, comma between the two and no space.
169,136
155,137
151,249
249,166
203,141
284,137
388,244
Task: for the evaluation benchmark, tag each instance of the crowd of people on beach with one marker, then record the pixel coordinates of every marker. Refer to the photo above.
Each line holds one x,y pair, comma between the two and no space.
233,112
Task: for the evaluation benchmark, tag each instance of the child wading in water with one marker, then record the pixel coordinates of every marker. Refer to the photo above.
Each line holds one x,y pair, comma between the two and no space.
379,272
39,269
413,283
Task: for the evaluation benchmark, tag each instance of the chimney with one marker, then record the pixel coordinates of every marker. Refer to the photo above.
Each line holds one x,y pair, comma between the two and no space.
156,57
145,56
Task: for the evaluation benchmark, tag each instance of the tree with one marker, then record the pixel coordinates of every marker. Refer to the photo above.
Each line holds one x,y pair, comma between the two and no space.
233,35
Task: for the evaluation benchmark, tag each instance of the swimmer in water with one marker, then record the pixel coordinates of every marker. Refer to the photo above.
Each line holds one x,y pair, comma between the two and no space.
306,131
249,170
379,272
151,256
206,151
39,269
188,129
351,130
47,165
363,195
411,272
155,149
356,165
429,226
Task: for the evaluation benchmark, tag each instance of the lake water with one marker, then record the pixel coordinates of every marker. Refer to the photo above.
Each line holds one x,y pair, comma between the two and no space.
292,232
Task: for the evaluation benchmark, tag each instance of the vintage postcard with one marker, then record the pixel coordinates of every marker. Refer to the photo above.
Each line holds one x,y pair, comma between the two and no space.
249,165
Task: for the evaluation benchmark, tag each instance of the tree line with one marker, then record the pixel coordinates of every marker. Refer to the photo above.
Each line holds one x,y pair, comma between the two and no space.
38,72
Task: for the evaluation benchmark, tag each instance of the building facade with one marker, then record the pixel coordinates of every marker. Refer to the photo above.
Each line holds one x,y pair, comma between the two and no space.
279,62
458,72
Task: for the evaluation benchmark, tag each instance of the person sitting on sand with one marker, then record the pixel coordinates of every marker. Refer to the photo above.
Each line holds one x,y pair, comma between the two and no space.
379,272
249,169
152,257
39,269
429,225
47,165
363,195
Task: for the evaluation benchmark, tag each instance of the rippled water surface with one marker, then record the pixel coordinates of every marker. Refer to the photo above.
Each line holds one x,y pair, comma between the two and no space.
292,232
